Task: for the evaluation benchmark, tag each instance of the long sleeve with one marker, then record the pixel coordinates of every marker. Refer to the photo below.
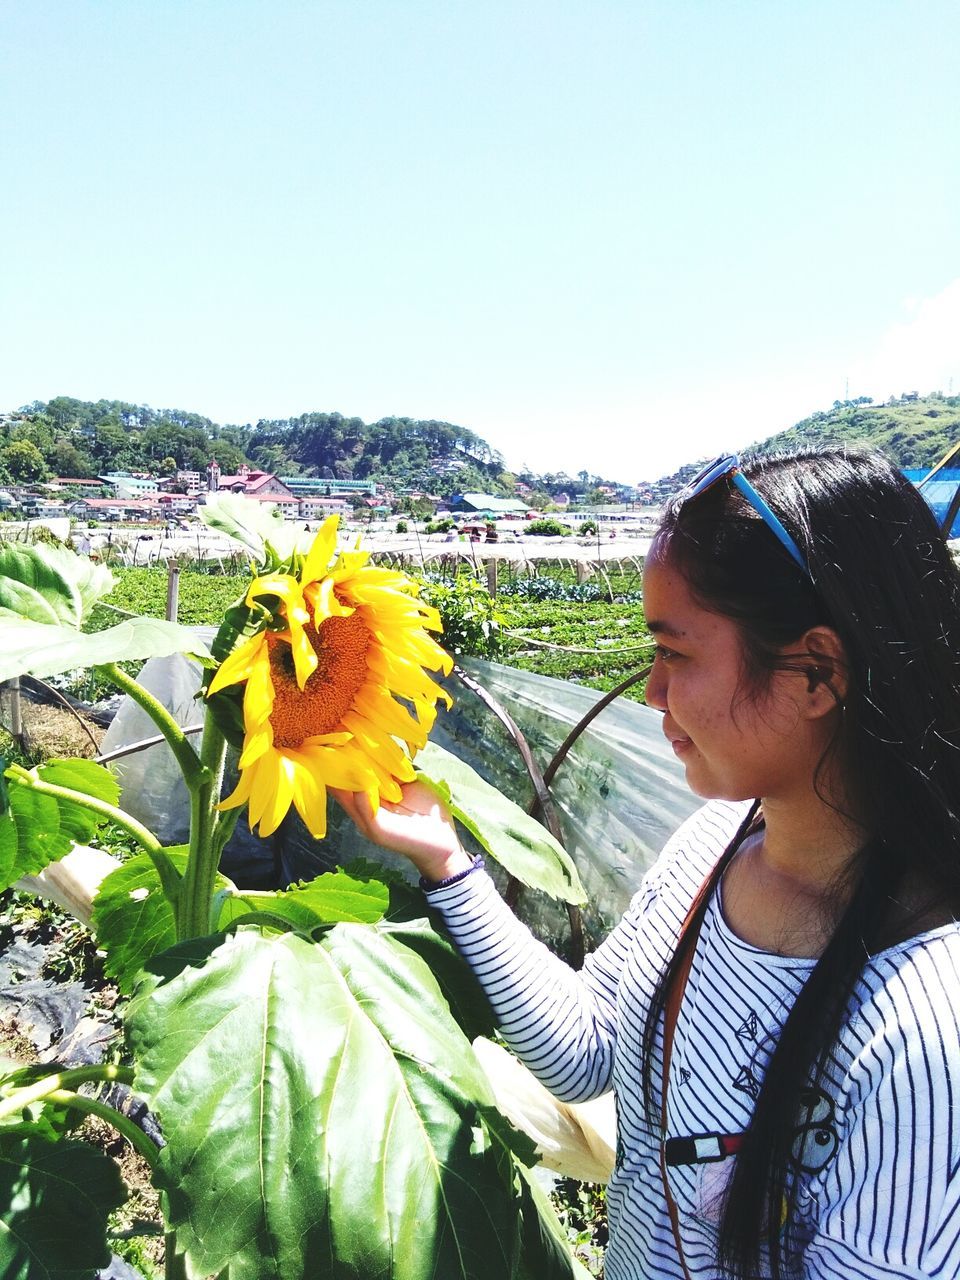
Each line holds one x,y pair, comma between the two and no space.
561,1023
564,1024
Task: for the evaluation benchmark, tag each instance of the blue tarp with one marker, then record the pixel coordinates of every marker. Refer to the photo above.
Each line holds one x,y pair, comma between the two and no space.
939,492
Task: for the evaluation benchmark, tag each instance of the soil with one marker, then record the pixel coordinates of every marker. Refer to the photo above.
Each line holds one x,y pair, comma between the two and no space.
52,732
57,1006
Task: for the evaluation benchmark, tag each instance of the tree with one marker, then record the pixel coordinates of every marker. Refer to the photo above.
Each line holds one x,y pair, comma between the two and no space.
24,461
67,460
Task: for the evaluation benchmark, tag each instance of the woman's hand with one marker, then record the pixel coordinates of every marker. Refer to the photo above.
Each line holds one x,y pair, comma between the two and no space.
418,827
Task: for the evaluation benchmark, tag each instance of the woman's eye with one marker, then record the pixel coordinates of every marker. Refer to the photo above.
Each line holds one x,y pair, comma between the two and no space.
666,654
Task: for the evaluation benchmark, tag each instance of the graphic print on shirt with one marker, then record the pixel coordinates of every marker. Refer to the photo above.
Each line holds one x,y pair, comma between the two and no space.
815,1139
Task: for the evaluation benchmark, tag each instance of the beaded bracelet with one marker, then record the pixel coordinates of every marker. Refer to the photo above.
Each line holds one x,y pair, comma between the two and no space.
431,886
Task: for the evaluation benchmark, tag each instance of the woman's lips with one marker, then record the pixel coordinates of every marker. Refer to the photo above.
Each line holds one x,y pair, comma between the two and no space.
679,741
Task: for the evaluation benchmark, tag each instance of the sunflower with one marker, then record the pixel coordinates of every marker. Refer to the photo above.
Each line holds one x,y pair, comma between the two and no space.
343,642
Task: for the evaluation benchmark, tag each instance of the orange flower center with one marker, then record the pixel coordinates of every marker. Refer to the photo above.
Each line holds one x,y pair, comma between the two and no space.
341,648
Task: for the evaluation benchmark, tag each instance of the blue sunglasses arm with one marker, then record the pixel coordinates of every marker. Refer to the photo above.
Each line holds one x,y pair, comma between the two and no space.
771,521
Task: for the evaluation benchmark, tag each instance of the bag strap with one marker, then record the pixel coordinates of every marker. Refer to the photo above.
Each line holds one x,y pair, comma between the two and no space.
686,946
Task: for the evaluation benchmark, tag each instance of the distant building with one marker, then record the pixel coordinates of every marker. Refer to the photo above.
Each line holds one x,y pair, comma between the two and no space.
127,486
320,508
75,482
472,503
117,508
318,487
251,484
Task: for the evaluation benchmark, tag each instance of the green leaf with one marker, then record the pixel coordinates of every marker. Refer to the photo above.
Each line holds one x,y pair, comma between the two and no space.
50,584
331,898
40,649
89,778
132,917
521,845
30,835
55,1198
251,523
463,993
321,1111
37,829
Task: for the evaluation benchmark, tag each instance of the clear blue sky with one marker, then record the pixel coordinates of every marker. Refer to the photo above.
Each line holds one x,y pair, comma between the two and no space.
614,235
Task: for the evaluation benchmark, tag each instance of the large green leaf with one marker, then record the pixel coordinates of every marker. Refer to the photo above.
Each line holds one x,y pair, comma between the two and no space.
90,779
331,898
133,919
251,523
55,1198
50,584
324,1116
516,840
44,649
464,995
36,829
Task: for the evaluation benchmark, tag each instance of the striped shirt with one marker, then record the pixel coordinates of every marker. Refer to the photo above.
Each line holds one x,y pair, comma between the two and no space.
877,1151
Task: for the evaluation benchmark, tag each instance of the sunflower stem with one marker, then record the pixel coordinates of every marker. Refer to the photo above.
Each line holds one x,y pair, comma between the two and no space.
191,766
145,1146
196,894
67,1079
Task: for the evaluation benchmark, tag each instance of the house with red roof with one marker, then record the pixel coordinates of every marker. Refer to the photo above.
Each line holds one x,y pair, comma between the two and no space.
259,485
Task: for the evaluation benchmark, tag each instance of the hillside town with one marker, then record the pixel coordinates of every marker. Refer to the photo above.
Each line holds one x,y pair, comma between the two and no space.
147,498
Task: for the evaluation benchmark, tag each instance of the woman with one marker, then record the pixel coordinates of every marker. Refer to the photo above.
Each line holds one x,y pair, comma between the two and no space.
791,964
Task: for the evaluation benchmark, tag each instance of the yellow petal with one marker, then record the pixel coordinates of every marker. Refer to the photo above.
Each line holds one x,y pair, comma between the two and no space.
241,792
321,552
343,767
323,601
386,712
327,739
275,809
310,800
255,744
282,585
264,779
238,665
258,696
304,656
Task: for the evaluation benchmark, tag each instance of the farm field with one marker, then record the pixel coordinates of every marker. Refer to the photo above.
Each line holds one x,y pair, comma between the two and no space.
591,632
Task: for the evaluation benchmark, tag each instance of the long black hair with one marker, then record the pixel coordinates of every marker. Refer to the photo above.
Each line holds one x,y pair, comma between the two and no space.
882,577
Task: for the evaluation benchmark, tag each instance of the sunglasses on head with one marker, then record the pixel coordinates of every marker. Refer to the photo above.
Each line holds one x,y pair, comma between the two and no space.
729,465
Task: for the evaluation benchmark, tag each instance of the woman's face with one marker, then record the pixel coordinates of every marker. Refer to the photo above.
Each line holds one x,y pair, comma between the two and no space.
735,743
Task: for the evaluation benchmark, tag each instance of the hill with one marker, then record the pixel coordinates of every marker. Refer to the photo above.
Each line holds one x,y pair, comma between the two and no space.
82,439
914,431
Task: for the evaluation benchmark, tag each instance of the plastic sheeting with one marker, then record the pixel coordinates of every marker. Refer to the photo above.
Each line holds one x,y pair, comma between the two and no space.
620,792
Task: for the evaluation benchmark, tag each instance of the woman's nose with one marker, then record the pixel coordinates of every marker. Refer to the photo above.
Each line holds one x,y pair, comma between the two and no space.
656,690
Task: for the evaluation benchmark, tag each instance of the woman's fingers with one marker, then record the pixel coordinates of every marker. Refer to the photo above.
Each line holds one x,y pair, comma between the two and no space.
418,826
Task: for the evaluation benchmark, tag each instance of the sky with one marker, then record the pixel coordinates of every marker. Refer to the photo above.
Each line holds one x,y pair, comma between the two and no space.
611,235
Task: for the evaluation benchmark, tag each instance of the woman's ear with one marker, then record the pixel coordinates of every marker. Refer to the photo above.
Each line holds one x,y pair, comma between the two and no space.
827,677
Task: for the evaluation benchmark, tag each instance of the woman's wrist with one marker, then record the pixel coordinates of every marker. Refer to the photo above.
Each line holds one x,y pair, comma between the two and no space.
436,871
